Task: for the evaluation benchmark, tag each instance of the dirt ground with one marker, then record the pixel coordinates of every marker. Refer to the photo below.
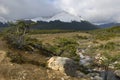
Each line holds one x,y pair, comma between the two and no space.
13,71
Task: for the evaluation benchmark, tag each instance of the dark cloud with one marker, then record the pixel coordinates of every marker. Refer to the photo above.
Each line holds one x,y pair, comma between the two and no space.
20,9
96,11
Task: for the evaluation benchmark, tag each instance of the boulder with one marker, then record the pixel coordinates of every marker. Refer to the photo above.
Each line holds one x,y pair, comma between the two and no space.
117,73
65,65
97,78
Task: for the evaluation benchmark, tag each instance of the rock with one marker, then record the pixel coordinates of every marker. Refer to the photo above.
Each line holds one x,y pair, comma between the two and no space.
84,59
65,65
62,79
97,78
80,74
93,74
117,73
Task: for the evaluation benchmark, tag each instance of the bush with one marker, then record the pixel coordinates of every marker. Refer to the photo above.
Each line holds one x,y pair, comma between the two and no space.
63,46
17,37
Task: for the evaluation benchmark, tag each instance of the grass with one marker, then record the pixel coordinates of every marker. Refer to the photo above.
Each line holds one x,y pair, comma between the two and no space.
50,31
106,34
99,41
108,46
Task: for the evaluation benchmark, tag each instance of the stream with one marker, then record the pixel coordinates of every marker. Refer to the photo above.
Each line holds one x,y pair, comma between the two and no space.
108,75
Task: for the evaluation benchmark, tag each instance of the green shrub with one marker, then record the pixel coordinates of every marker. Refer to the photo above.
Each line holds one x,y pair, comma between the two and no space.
63,46
17,37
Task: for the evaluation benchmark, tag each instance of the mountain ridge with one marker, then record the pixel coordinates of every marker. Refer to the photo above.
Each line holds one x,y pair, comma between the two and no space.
107,25
57,24
63,21
63,16
2,20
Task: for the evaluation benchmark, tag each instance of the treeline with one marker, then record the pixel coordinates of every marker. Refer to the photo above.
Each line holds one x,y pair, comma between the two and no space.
3,24
58,25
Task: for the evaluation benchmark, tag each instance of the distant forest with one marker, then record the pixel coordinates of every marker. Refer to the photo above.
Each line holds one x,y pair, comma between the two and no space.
56,25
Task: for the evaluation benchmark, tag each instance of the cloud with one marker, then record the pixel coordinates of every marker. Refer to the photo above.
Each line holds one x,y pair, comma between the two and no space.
95,11
3,10
21,9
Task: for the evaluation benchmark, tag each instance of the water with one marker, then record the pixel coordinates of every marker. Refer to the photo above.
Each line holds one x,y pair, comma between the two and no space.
108,75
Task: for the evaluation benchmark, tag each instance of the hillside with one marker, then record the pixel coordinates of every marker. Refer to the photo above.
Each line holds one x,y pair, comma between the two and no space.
59,21
63,21
2,19
58,25
61,16
109,25
52,25
3,24
29,60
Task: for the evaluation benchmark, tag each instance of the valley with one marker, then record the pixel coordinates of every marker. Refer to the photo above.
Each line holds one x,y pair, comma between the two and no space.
59,40
29,59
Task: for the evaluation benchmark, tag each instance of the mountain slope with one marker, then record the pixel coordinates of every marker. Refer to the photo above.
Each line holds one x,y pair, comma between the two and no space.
3,20
38,19
64,21
3,25
63,16
109,25
83,25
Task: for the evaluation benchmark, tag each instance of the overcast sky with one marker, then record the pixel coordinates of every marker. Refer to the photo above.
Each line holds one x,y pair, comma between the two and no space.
95,11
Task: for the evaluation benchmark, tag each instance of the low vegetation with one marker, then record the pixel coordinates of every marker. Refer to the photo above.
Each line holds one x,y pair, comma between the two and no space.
64,47
106,34
46,43
49,31
20,59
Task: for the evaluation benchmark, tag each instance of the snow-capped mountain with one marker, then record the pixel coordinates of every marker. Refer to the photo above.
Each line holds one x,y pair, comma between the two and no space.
39,19
63,21
63,16
60,21
3,20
